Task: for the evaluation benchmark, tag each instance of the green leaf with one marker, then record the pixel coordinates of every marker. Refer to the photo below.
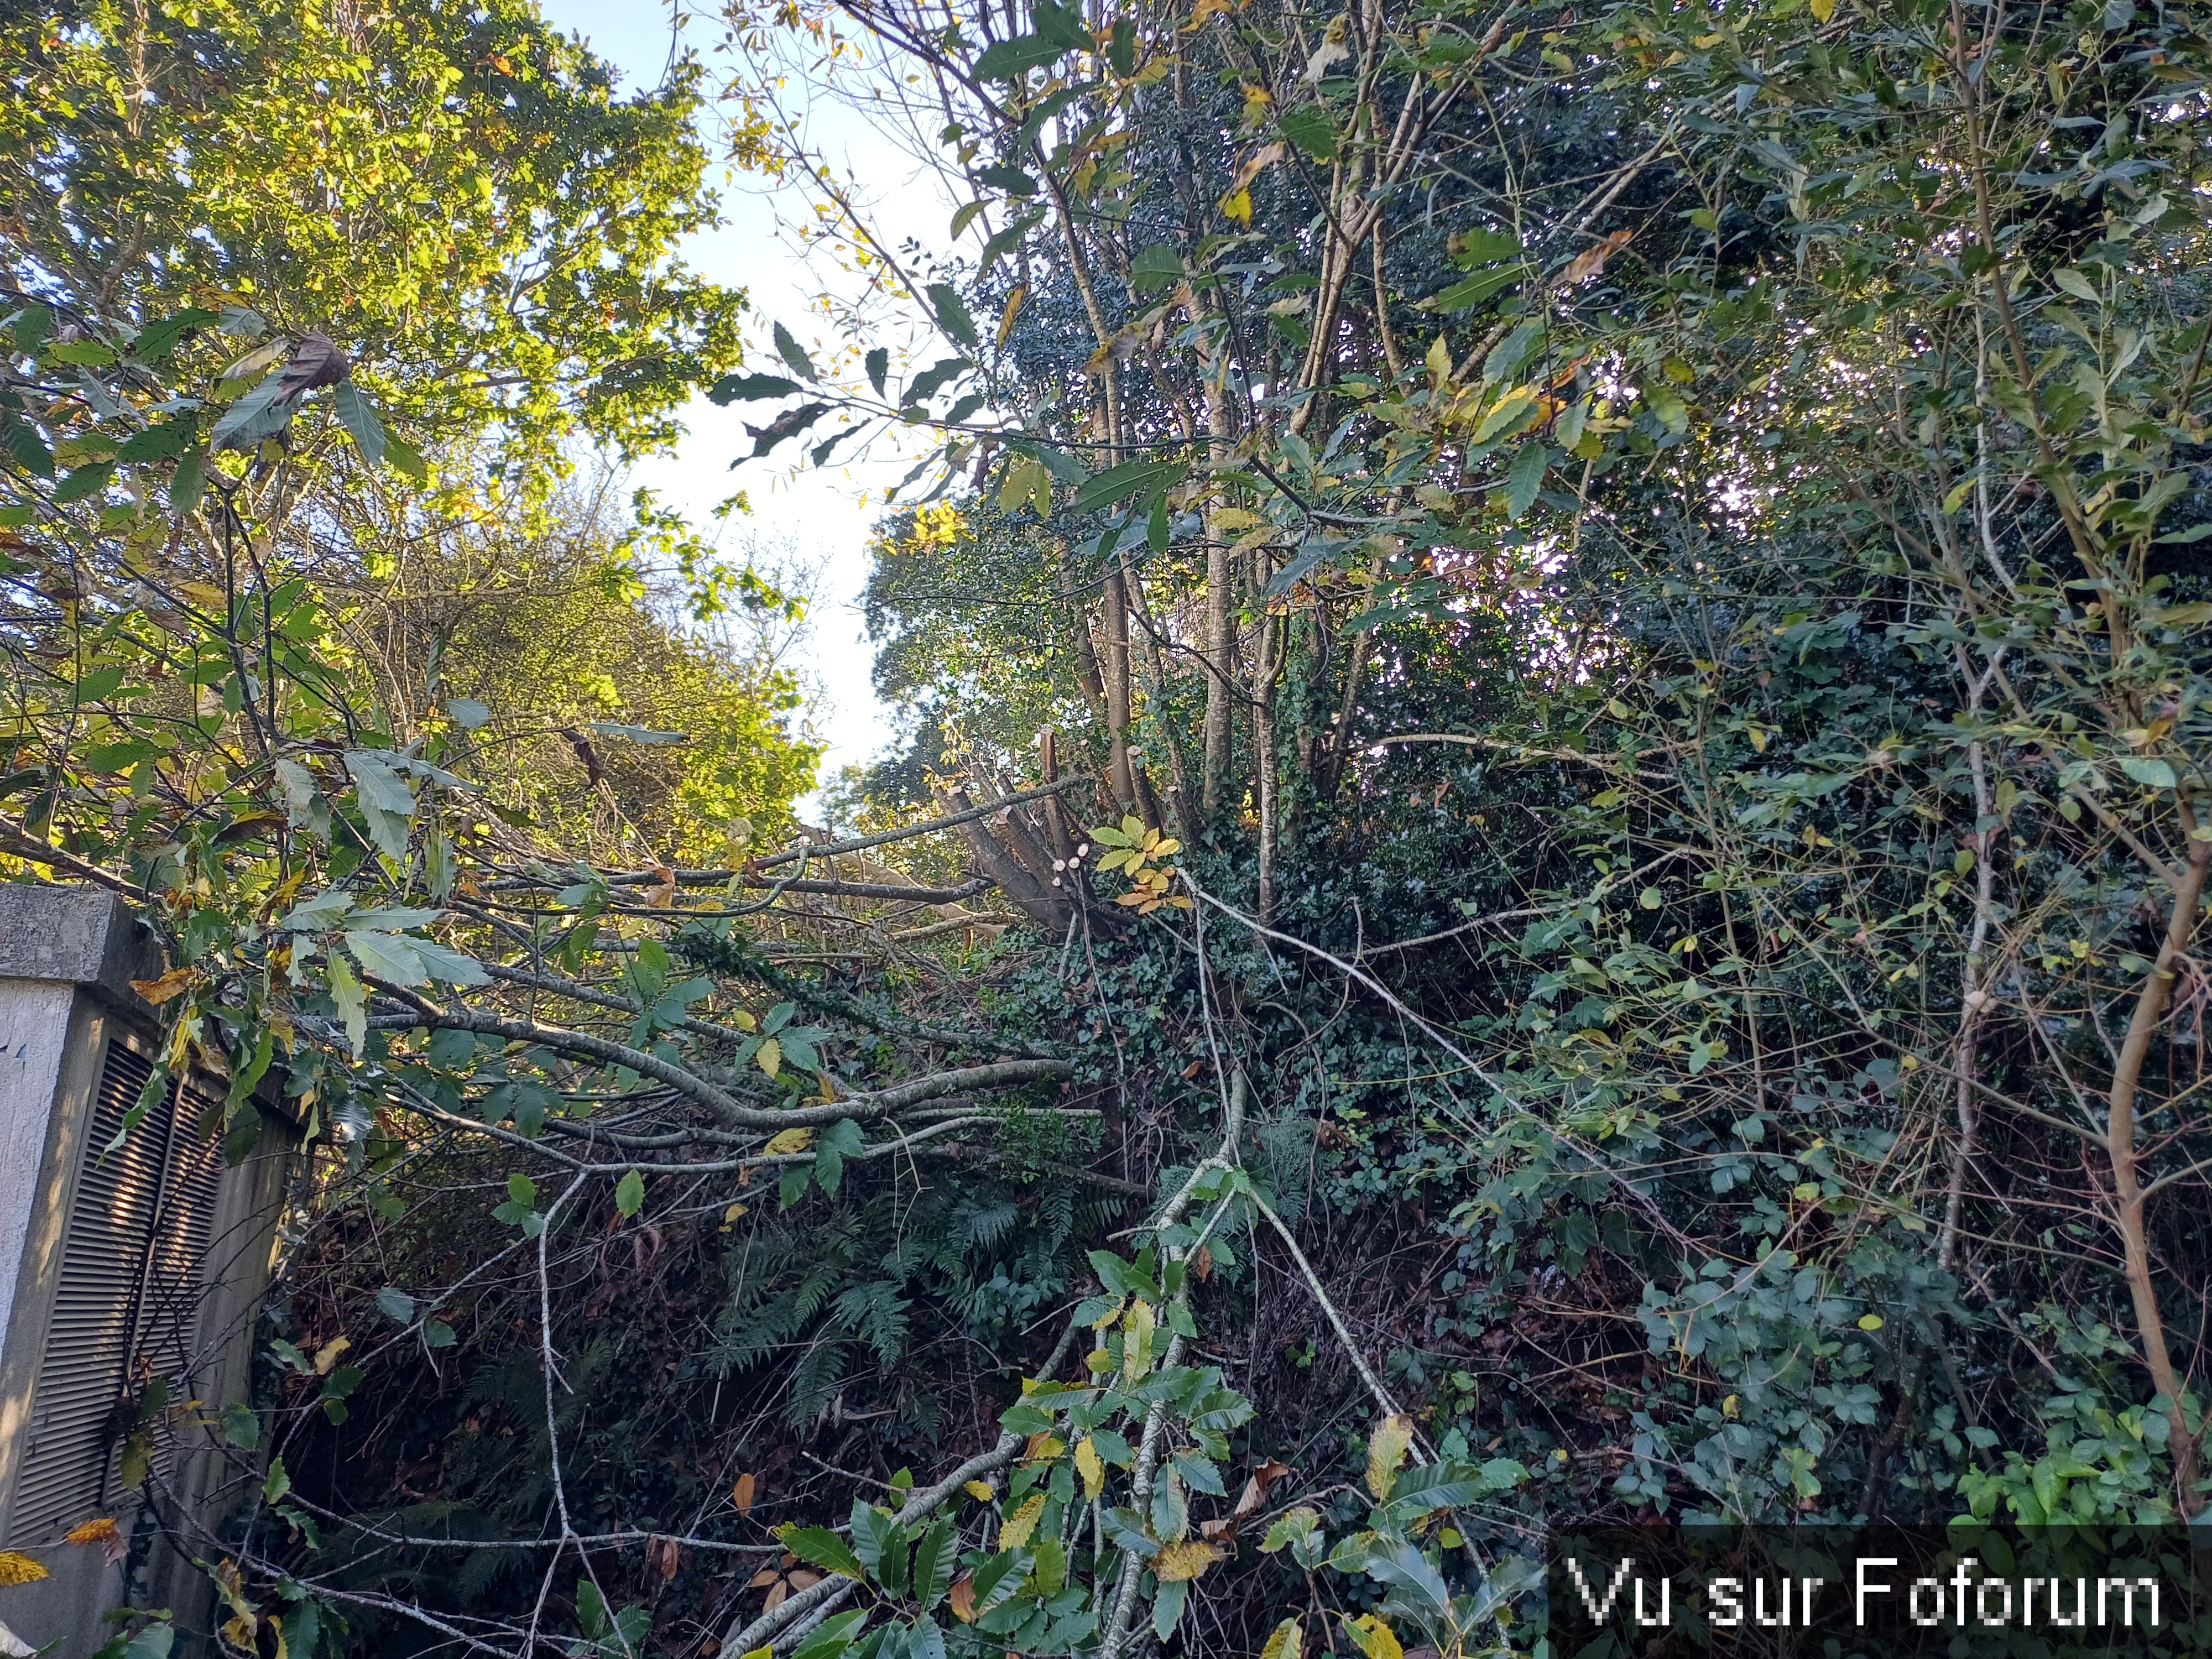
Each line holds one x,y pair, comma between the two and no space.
840,1141
832,1637
1156,265
934,1558
84,481
278,1482
952,313
1308,126
747,388
1524,478
878,364
874,1533
2150,773
403,458
256,416
158,338
396,1304
25,447
157,443
789,349
1005,241
629,1193
819,1546
360,422
1118,482
352,1002
241,1425
1465,296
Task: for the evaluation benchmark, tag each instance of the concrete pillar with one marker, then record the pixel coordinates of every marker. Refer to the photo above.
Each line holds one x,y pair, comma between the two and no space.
131,1276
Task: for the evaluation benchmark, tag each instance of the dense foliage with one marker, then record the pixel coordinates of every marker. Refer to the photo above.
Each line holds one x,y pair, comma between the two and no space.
1574,645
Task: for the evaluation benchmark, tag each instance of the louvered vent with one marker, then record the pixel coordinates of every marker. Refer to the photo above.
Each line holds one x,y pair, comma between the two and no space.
131,1266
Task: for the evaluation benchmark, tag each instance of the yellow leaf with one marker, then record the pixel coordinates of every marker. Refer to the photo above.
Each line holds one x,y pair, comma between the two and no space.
1870,1321
1168,848
1044,1446
17,1568
982,1490
1823,10
1377,1639
1285,1643
744,1021
1237,205
159,991
1105,1320
1022,1522
784,1142
102,1531
734,1214
327,1355
1137,1339
1185,1560
1386,1450
1013,307
1090,1467
770,1055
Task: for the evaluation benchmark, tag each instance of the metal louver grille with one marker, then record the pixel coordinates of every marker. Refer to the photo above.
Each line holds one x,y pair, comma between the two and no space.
137,1234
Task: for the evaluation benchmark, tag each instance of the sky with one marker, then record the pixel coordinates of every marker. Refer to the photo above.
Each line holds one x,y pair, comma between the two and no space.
821,517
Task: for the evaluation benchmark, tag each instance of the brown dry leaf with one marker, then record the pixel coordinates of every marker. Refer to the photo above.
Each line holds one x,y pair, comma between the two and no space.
1591,262
1255,1486
661,1557
1255,164
113,1547
961,1598
776,1596
763,1579
1201,1263
662,894
805,1578
742,1494
159,991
